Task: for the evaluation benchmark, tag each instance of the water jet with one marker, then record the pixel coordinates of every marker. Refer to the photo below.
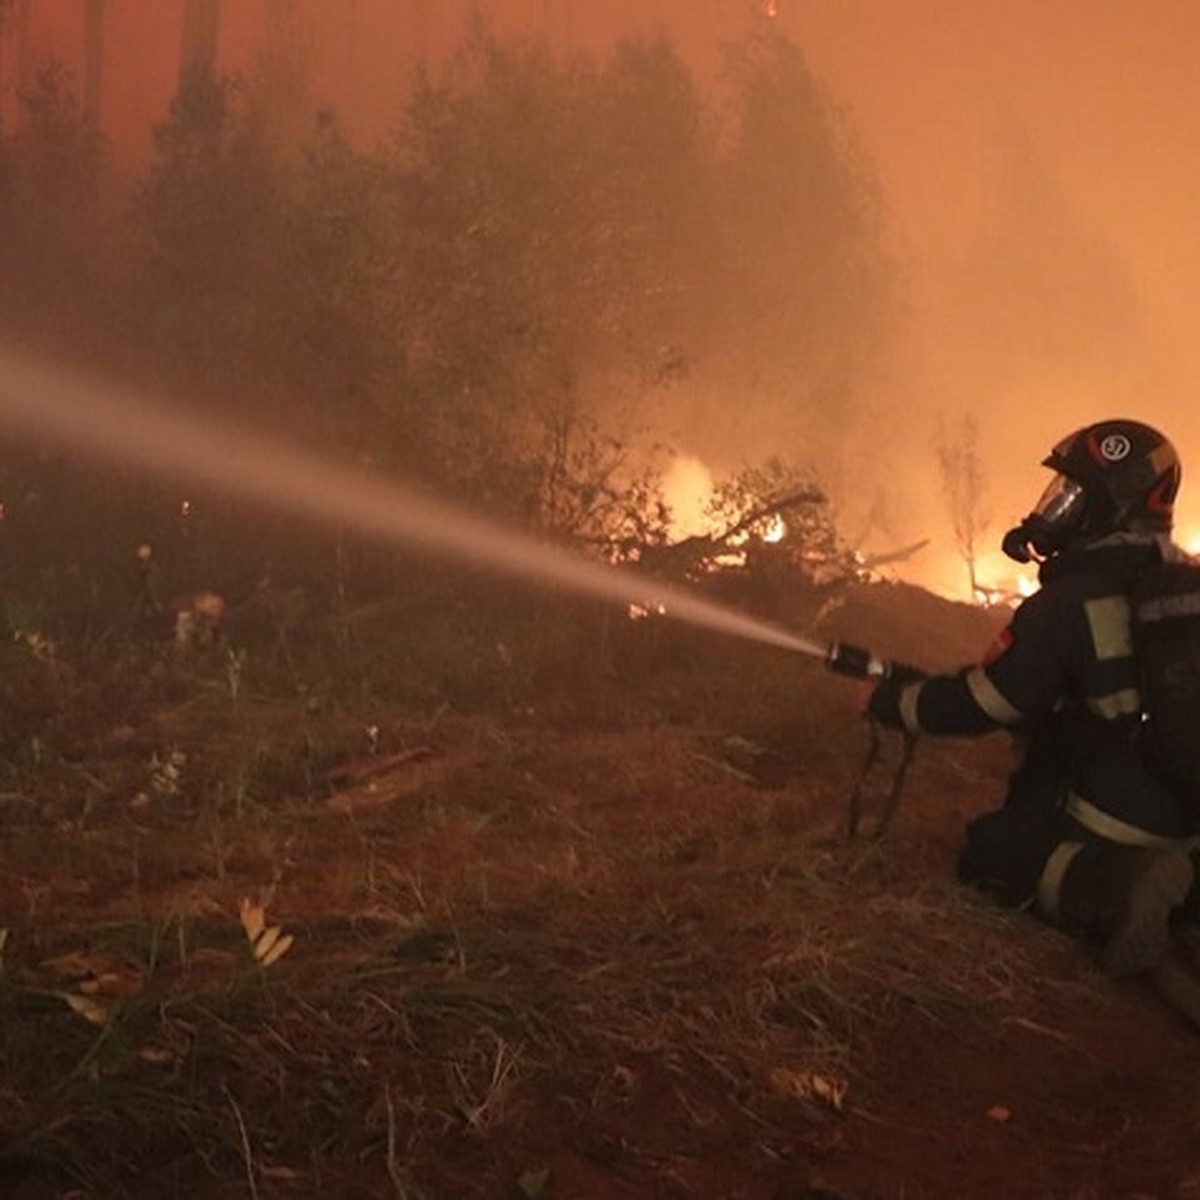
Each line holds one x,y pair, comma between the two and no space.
109,422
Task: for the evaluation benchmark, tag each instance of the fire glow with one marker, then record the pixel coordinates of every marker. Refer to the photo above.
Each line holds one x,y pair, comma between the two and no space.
688,489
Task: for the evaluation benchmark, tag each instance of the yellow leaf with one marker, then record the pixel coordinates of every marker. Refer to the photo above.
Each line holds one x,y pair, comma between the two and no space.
277,950
253,919
265,940
831,1091
89,1010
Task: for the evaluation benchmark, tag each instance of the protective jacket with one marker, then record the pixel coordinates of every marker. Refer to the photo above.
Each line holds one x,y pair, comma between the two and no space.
1090,837
1063,677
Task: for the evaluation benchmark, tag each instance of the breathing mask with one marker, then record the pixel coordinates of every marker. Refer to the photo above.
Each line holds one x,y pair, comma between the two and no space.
1055,520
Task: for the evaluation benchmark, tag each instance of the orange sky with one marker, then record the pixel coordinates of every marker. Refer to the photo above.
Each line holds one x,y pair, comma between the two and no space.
1108,90
1108,94
1039,162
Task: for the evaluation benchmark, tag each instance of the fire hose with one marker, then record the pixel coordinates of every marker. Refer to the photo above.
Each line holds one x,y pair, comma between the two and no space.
856,662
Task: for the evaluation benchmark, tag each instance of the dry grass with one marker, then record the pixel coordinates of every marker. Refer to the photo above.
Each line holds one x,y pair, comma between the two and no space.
534,955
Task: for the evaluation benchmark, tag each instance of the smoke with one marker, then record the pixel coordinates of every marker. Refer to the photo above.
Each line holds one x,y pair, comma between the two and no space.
1034,172
1034,327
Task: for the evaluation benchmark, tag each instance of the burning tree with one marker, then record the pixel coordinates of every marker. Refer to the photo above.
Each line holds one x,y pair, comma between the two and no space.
770,522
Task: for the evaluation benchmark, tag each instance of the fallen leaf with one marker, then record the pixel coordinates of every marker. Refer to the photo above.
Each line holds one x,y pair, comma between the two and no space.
279,947
87,1008
268,944
265,941
253,918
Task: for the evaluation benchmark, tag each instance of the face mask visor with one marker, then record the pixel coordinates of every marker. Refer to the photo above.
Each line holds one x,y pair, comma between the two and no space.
1061,507
1061,504
1058,513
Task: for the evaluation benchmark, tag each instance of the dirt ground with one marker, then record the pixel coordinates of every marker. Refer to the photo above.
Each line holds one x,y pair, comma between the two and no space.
603,935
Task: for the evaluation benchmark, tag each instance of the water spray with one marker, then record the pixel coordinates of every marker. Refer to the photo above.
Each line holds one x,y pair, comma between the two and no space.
105,421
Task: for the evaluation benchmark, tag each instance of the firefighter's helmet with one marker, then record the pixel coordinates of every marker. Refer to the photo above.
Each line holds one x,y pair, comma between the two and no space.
1113,476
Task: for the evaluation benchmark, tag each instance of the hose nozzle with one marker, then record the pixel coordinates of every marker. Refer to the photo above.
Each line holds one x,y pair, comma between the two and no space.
856,662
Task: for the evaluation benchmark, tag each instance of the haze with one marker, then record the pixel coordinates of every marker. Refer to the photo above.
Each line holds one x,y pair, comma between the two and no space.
1037,164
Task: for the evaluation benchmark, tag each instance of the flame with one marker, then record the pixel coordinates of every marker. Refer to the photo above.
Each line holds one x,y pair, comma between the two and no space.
687,489
998,580
776,530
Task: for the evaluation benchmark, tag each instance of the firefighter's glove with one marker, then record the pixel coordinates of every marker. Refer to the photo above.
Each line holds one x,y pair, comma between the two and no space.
884,703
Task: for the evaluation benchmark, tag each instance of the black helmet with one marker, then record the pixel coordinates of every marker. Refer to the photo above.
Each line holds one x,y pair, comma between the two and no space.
1110,477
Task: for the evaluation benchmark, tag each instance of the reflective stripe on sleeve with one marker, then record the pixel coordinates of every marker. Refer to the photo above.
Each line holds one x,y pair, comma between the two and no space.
1116,704
1113,829
1049,888
909,698
991,699
1108,620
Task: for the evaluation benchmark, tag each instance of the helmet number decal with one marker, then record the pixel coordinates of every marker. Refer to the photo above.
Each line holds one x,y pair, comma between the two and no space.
1115,447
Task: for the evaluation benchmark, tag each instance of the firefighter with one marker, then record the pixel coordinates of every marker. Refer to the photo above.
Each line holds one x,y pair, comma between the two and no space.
1087,837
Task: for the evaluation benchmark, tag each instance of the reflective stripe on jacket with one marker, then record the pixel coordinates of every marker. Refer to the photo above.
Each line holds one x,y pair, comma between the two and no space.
1064,673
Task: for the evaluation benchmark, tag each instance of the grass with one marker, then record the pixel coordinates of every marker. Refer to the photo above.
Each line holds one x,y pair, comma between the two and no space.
533,956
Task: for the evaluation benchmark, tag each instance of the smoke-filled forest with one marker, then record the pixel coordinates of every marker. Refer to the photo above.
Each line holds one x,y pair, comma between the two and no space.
333,865
505,302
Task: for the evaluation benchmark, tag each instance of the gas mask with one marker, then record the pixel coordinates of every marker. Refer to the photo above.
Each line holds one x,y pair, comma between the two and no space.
1056,520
